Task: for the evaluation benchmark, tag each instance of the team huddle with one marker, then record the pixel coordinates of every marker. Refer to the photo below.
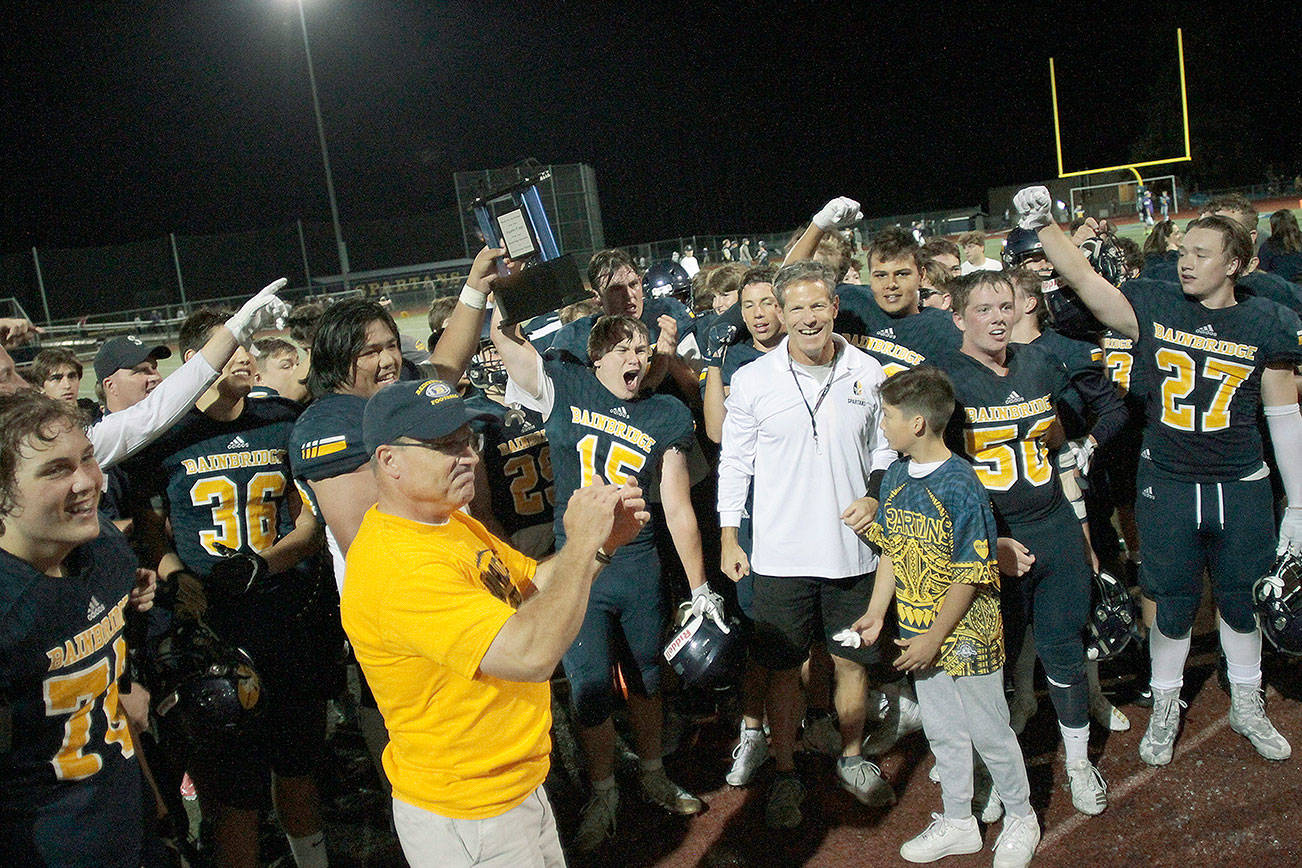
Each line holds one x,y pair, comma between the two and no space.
913,489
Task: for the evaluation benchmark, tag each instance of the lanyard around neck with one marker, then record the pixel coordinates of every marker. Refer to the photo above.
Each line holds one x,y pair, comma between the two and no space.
818,402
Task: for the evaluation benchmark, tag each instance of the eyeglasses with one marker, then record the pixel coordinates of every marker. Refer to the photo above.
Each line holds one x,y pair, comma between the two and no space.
453,447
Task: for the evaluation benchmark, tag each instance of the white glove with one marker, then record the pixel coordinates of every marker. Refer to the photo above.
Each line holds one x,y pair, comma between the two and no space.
840,213
258,312
849,637
708,604
1035,206
1290,531
1083,449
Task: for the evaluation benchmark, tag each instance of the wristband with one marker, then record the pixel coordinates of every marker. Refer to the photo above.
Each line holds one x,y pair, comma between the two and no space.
603,558
472,297
875,484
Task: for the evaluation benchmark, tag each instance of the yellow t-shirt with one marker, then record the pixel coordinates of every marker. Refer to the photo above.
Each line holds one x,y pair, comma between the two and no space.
421,606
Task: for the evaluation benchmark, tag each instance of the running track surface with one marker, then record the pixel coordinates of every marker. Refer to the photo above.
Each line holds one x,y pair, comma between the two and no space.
1218,803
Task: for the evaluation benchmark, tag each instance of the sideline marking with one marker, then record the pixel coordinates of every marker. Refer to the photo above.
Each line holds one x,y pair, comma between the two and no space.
1123,789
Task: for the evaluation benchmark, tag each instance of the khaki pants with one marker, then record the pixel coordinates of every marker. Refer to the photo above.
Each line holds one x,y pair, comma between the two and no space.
524,836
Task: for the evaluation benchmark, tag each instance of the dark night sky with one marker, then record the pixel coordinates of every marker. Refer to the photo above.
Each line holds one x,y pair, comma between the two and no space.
125,121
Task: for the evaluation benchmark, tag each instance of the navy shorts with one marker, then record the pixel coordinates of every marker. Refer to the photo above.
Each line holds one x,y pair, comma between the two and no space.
624,623
1226,527
792,612
1054,595
288,736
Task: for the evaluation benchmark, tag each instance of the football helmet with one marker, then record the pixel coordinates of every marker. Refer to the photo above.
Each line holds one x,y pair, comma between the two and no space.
705,656
486,371
1113,618
207,686
668,278
1106,257
1277,598
1019,246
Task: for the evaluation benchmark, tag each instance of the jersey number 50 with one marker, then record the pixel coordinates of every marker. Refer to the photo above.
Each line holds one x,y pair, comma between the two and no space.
621,462
996,451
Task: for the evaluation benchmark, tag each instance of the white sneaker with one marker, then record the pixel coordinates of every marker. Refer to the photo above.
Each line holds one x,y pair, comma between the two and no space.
1017,842
1088,791
749,754
597,820
904,716
1021,710
944,837
1158,744
1107,715
1248,719
863,780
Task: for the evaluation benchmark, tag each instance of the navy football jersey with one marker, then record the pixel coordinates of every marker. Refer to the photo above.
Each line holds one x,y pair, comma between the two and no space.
1000,424
572,339
518,463
327,442
594,435
1162,266
857,313
1119,361
1091,405
735,358
224,482
1203,367
913,339
1273,287
1166,267
69,783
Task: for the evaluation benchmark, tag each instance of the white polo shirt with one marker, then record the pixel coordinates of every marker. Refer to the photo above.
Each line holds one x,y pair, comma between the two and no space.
802,483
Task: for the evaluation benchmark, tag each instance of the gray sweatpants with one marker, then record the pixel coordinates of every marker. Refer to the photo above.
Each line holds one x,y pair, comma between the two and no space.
960,714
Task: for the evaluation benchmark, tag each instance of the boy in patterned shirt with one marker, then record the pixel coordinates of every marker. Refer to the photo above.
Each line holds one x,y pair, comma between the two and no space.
936,532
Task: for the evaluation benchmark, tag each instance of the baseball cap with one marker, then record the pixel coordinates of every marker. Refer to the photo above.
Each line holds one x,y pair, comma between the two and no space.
125,352
422,410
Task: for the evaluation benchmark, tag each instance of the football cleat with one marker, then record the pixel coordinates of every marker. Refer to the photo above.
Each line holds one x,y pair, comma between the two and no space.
1157,747
1089,793
1248,719
751,752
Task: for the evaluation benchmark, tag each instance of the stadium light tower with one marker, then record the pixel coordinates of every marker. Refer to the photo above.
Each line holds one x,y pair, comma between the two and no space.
325,151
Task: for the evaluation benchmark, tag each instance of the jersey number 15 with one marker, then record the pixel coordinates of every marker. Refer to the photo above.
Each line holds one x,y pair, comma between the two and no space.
621,462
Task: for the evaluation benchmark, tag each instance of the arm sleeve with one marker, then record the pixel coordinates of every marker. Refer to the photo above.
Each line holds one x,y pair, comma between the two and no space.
1285,423
120,435
737,456
543,401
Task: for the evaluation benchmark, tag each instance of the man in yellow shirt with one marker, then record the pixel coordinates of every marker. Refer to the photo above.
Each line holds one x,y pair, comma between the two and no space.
458,633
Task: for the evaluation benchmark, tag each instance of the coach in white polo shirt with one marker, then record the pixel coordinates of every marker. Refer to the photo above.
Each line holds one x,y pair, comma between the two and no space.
803,423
